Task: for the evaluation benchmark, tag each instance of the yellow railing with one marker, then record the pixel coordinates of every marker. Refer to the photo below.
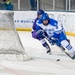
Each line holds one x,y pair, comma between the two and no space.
29,29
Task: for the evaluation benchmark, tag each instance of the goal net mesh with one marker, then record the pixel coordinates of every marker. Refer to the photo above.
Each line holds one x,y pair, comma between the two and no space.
11,47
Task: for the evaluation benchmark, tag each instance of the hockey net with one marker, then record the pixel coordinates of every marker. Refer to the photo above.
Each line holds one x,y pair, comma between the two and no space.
11,47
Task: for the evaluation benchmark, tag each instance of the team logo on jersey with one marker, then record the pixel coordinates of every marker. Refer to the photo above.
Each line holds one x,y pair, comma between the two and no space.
55,24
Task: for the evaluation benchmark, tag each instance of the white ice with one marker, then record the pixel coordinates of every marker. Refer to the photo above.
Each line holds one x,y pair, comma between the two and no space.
41,62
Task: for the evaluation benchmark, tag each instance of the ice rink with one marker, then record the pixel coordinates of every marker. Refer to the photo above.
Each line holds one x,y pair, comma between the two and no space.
41,62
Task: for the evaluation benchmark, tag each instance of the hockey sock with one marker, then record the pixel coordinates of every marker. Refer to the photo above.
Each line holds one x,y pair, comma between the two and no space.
66,45
44,43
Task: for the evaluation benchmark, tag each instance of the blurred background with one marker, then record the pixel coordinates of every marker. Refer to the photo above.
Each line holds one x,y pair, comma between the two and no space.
53,5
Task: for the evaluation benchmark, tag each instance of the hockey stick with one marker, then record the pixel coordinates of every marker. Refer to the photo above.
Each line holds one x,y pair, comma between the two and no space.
63,49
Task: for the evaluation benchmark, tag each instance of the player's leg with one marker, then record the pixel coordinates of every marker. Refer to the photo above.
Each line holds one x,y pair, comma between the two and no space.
34,35
66,37
42,40
45,44
64,42
57,42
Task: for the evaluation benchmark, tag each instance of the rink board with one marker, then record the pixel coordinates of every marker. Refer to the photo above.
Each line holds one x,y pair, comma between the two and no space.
24,20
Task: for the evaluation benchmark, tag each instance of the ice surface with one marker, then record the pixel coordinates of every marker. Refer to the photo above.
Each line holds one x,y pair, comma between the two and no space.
41,63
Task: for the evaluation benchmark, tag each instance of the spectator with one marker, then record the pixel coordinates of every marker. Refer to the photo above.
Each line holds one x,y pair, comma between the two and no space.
9,5
3,5
33,4
6,5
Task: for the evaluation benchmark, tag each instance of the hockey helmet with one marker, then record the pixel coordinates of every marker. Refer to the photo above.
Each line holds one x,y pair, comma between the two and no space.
45,17
40,12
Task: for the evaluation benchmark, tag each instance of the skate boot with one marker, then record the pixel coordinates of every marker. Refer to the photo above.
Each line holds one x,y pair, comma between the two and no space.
47,47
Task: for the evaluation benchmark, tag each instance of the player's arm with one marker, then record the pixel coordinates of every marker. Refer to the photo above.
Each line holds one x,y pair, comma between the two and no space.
41,32
34,24
59,28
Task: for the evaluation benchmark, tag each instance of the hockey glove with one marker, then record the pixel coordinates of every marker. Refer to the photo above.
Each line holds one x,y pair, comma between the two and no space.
40,33
49,39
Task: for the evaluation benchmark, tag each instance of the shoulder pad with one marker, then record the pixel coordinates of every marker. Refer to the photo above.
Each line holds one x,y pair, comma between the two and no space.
53,22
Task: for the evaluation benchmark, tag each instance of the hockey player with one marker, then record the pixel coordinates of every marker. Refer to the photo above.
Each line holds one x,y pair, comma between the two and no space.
35,32
55,31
